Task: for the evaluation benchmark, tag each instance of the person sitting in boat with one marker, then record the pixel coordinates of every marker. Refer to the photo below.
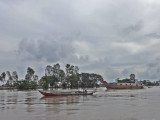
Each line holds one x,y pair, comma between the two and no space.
84,91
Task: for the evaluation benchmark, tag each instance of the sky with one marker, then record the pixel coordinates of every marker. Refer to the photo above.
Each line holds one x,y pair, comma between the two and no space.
113,38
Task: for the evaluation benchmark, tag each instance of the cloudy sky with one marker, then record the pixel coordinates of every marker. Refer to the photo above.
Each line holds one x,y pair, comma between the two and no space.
113,38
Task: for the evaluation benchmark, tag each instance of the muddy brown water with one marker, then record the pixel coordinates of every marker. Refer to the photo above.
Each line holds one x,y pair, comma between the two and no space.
103,105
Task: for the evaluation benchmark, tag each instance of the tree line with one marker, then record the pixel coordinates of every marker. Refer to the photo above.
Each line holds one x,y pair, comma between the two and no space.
11,80
70,78
54,77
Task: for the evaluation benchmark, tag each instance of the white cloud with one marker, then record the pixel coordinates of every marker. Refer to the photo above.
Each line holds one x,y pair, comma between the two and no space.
133,48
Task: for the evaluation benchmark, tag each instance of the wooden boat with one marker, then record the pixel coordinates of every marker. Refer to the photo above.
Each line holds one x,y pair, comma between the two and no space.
64,93
131,83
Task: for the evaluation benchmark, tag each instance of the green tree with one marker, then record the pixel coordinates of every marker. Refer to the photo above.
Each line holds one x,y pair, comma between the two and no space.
1,79
56,73
3,75
15,76
25,84
30,81
10,79
62,76
49,70
35,77
73,81
30,73
126,80
72,75
62,79
45,81
53,81
90,79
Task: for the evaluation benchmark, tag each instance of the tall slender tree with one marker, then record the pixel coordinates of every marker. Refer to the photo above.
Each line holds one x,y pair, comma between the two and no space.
49,70
30,73
1,79
3,75
72,75
10,79
15,76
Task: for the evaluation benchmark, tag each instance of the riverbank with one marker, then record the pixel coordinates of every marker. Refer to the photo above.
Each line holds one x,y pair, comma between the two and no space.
5,88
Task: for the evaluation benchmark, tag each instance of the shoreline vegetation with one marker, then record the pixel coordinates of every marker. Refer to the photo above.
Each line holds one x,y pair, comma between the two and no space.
54,77
143,82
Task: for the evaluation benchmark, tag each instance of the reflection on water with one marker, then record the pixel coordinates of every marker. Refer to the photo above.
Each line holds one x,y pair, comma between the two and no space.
103,105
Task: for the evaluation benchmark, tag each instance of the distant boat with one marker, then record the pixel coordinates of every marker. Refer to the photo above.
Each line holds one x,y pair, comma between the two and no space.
131,83
124,86
64,93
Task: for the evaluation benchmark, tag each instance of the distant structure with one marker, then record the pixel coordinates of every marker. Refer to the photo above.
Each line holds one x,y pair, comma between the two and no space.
131,83
132,78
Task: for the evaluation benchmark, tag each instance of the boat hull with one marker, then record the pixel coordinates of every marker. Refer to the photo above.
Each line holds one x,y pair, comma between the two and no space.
123,87
48,94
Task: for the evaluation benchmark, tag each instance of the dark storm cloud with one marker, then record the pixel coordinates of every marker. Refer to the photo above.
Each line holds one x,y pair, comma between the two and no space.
45,50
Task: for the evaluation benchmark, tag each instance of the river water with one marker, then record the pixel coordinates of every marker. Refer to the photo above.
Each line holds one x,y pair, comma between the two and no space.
103,105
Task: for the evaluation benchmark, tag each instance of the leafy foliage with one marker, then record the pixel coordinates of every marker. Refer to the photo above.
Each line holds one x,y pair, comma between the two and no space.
124,81
54,77
30,81
70,78
25,84
90,79
30,74
3,76
45,81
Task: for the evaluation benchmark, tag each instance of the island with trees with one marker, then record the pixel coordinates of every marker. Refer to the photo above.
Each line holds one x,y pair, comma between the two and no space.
54,77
